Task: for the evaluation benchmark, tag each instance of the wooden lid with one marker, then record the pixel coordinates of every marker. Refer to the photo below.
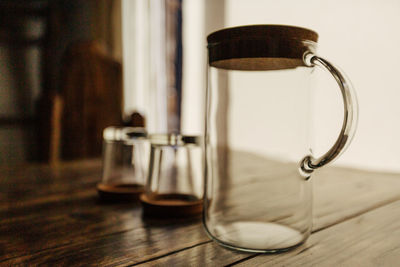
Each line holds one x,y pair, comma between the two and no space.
260,47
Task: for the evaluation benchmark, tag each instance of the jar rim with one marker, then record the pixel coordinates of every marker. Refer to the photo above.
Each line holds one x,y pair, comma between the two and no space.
173,139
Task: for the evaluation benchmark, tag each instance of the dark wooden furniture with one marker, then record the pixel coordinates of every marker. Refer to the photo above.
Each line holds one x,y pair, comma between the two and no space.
91,90
53,216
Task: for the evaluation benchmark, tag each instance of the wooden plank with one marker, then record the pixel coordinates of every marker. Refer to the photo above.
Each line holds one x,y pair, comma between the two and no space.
371,239
22,183
27,173
66,212
121,248
340,194
78,231
47,190
68,222
44,202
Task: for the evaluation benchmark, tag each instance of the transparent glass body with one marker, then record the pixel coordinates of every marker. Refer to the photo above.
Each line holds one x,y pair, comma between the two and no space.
175,168
258,191
125,157
257,198
174,186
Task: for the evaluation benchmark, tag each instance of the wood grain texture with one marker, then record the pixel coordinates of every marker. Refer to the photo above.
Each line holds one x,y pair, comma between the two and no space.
59,216
371,239
339,195
53,216
260,47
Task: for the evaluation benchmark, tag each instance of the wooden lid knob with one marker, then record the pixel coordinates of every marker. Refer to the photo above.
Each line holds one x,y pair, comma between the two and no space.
260,47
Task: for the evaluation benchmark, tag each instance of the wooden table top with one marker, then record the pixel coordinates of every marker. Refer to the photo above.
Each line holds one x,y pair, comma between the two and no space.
52,216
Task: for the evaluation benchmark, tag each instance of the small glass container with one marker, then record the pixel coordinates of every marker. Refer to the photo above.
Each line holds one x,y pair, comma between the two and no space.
125,159
174,186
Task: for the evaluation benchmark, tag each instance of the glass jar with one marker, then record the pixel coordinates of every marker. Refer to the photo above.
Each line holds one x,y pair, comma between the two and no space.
174,187
258,186
125,160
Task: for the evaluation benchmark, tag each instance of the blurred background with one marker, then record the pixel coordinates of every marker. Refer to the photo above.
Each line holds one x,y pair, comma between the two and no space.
68,69
60,63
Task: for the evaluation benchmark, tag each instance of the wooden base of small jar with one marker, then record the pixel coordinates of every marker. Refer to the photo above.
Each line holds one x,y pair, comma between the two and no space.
120,192
171,205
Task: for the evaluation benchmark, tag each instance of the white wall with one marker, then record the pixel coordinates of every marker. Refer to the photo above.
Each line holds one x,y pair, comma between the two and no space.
143,47
363,38
135,50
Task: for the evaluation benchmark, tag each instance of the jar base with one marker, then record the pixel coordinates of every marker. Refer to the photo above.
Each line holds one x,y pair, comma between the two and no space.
260,237
119,192
171,205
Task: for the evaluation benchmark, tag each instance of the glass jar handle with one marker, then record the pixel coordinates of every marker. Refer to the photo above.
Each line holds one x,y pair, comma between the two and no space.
309,163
